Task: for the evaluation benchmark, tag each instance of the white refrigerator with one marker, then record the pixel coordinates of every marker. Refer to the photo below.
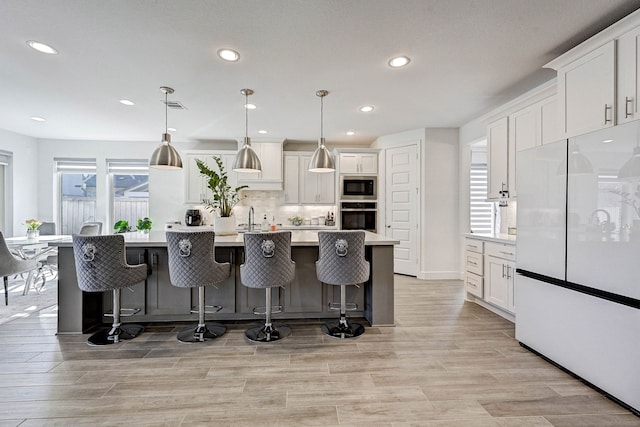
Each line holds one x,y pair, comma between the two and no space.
577,287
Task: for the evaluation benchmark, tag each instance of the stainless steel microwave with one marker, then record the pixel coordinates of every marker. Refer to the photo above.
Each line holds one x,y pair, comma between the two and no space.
358,187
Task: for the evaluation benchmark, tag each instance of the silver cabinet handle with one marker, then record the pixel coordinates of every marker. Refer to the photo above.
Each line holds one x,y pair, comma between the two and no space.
503,273
607,108
628,102
507,253
472,263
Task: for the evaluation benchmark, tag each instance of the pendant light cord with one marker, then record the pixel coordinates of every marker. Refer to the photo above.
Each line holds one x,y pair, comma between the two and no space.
321,116
246,115
166,112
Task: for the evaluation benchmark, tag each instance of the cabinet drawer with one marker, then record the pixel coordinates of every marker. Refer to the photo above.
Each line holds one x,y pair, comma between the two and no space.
473,263
473,245
500,250
474,285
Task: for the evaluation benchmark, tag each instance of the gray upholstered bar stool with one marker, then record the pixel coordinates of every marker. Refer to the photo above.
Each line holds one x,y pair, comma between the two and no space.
341,262
267,264
192,264
101,266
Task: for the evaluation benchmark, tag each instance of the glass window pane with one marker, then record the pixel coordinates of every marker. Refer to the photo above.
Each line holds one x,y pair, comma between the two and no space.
130,197
78,200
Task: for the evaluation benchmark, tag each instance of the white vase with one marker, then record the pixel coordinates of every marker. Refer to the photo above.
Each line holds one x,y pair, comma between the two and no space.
224,225
33,234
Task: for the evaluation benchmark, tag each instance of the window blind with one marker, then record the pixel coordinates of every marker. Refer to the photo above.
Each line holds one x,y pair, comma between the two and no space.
481,215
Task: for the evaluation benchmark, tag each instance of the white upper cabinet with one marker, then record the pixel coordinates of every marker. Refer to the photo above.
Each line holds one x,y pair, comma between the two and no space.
530,127
291,178
304,187
270,178
549,120
628,76
587,90
359,163
316,187
195,184
497,157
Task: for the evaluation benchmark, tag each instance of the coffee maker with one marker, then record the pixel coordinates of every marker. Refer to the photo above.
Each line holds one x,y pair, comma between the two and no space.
192,217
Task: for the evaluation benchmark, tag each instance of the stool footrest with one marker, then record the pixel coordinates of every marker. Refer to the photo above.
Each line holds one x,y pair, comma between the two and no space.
125,312
275,309
350,306
216,308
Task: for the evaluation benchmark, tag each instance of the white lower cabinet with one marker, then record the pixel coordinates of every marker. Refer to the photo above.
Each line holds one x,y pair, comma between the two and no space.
490,269
500,269
473,284
474,266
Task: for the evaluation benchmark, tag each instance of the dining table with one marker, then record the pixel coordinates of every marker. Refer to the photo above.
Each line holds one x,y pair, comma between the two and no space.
34,248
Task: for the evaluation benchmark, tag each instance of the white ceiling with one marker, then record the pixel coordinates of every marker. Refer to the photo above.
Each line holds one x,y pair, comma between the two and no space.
468,56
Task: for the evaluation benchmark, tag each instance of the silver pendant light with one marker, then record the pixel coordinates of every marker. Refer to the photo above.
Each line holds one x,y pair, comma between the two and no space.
165,156
321,161
247,160
631,168
576,163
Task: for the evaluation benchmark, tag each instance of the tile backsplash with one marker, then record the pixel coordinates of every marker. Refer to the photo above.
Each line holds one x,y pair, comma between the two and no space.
272,204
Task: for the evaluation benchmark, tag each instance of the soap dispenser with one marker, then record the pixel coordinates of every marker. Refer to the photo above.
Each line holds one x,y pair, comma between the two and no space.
265,223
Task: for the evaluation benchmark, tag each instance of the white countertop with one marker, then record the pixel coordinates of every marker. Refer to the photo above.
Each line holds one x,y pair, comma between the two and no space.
298,238
493,237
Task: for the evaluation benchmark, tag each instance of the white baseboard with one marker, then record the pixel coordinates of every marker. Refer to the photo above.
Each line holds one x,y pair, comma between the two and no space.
439,275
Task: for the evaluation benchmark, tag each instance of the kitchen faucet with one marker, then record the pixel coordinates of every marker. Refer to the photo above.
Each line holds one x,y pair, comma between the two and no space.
251,215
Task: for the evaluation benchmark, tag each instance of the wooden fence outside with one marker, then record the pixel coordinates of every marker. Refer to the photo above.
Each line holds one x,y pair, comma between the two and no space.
75,211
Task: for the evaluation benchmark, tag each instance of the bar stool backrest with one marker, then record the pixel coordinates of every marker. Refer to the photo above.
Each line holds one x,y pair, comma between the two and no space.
267,260
101,264
341,258
192,259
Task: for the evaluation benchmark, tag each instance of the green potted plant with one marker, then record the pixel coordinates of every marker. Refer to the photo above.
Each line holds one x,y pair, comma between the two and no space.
121,226
224,197
144,225
32,228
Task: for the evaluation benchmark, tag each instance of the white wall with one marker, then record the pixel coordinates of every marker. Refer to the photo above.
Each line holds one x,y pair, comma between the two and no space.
441,175
25,170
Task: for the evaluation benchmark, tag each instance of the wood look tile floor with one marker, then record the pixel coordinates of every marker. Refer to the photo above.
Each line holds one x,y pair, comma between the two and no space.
447,362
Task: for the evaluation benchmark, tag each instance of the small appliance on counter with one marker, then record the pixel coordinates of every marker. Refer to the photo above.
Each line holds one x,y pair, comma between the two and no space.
193,217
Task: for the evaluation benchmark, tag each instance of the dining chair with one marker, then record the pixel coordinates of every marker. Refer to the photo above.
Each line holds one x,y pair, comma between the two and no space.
90,229
50,261
10,265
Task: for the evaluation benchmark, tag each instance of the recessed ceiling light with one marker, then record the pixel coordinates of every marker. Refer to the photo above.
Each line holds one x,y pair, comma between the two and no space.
366,108
41,47
172,129
399,61
38,119
607,141
262,131
250,106
350,133
127,102
229,55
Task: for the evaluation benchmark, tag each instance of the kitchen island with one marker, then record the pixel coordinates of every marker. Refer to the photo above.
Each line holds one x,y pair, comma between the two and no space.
159,301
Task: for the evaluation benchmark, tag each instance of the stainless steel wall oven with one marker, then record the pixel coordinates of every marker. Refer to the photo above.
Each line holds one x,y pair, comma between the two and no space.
359,216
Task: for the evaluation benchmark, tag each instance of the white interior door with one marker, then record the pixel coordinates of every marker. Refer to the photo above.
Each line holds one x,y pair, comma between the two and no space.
402,207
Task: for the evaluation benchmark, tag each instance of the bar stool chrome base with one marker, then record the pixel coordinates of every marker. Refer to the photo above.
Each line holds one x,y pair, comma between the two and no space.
115,334
338,329
201,333
268,333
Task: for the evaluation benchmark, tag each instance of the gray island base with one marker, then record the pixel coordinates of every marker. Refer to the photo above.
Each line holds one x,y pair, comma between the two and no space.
159,301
